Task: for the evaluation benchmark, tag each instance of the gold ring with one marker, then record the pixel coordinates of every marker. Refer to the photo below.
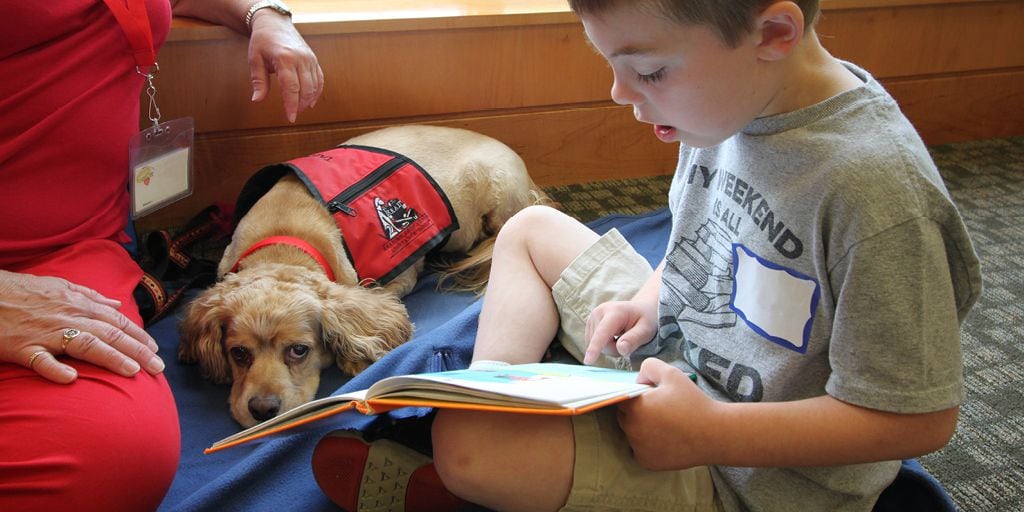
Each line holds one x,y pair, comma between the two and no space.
32,358
68,335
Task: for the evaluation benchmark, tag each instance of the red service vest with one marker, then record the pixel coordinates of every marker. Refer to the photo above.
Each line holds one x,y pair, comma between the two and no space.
390,211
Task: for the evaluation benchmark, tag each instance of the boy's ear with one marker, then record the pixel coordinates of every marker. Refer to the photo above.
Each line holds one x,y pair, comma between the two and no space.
781,28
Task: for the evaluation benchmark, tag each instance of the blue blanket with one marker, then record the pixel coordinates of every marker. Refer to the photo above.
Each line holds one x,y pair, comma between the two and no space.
274,473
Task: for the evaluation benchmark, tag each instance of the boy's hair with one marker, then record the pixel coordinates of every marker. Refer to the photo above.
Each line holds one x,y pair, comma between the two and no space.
730,19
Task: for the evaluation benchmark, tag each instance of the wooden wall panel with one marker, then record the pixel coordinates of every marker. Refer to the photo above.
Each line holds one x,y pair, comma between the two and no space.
396,74
560,147
524,73
372,76
963,107
938,38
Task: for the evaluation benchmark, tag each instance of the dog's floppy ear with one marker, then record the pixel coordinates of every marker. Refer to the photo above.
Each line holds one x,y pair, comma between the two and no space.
202,334
361,325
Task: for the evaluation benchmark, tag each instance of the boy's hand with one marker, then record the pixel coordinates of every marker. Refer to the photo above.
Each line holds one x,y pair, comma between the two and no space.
618,328
667,427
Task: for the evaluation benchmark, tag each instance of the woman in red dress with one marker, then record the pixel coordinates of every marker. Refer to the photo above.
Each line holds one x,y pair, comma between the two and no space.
86,416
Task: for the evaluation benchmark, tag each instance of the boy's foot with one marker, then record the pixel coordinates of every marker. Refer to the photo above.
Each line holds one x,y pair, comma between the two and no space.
378,476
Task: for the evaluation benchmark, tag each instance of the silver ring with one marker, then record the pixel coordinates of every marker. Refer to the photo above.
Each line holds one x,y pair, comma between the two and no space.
68,335
32,358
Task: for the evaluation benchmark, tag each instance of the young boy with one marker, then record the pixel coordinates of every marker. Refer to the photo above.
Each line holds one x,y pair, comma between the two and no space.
815,279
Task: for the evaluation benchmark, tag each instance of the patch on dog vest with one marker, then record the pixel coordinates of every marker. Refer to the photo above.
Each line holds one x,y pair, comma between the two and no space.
390,211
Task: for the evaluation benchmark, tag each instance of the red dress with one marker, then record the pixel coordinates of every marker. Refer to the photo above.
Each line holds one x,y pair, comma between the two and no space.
69,102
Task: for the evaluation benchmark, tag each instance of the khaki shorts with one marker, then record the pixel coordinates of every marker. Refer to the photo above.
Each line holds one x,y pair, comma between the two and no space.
606,476
608,270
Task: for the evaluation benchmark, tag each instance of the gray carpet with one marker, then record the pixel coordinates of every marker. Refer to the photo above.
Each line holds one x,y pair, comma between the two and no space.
983,466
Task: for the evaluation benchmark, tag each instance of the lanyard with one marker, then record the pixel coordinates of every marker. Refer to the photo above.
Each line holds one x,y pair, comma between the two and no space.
132,16
159,157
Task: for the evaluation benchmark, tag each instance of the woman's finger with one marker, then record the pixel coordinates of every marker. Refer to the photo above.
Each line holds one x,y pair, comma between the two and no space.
90,348
45,364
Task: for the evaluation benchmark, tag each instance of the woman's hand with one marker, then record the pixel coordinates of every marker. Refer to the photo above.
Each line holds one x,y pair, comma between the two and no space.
35,312
276,47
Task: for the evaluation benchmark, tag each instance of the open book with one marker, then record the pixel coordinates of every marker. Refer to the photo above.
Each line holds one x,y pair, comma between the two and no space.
536,388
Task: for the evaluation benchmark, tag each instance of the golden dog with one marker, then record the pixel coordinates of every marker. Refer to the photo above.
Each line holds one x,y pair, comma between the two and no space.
270,327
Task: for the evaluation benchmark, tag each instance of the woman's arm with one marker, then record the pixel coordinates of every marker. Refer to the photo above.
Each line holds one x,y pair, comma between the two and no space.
275,47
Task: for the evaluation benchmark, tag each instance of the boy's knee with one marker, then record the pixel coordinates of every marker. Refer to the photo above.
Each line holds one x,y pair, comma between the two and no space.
524,224
504,461
456,458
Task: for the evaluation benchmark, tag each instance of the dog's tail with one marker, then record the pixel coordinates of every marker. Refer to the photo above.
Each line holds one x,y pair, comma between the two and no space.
470,273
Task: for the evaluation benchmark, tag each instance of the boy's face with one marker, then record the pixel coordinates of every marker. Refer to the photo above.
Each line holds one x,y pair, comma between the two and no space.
681,78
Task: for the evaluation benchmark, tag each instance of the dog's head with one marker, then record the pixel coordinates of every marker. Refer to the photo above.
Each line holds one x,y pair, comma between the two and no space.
269,331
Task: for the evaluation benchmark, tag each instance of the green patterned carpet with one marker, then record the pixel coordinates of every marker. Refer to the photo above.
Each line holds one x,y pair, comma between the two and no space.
589,201
983,466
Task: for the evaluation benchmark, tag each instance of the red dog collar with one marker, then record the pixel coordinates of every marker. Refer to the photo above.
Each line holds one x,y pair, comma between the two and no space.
298,243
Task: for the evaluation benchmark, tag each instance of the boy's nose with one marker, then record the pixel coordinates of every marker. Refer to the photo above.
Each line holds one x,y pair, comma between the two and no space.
623,94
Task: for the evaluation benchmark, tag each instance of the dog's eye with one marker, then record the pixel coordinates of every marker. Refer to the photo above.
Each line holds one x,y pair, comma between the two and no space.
298,351
240,355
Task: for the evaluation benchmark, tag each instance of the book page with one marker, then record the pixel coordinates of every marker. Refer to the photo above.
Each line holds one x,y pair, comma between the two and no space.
304,413
540,388
540,384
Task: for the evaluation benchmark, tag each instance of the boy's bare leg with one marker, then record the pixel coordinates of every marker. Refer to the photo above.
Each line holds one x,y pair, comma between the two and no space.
503,461
515,461
519,320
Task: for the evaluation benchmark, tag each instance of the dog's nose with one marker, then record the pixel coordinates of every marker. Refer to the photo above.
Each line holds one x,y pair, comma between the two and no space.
263,408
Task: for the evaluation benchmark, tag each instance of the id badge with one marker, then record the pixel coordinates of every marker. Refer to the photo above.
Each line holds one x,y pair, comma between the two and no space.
160,161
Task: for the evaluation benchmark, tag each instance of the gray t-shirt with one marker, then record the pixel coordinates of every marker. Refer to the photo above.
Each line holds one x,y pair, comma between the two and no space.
818,252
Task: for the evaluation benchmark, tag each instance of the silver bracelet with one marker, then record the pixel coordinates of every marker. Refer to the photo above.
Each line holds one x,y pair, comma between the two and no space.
276,5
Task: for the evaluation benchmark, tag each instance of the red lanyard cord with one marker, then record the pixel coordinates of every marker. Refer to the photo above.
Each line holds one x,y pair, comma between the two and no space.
132,16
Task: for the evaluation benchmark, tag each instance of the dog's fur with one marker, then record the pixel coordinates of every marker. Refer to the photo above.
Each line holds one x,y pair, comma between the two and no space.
272,326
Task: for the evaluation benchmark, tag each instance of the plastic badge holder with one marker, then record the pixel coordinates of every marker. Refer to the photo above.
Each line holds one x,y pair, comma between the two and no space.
160,159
